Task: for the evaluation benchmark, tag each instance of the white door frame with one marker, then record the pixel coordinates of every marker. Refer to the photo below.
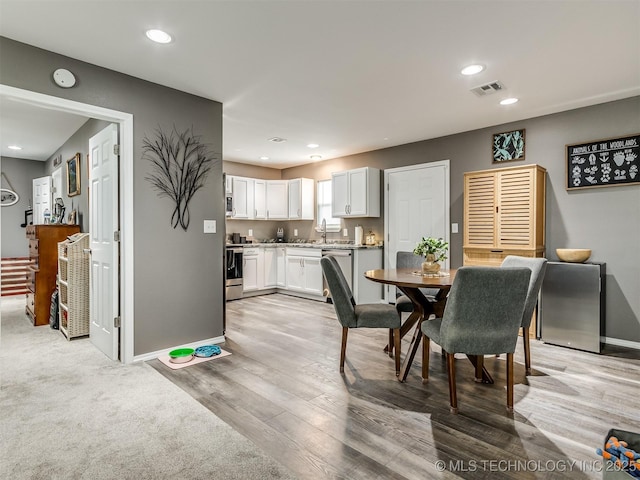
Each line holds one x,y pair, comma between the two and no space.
447,194
125,123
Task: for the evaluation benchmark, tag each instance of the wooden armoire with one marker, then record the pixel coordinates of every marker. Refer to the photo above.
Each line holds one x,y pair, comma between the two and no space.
504,214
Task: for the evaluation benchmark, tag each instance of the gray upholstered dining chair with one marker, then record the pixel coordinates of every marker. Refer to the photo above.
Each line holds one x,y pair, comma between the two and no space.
482,317
538,267
411,260
350,315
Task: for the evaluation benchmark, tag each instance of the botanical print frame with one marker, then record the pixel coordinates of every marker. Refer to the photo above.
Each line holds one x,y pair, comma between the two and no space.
508,146
73,176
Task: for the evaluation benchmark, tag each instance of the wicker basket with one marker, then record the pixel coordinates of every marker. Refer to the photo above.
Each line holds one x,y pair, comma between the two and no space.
73,279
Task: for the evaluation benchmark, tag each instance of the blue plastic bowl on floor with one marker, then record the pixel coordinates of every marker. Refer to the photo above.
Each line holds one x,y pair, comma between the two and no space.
207,351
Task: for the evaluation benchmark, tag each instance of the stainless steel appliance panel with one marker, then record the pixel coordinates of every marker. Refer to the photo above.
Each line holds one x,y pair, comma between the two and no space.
572,305
234,278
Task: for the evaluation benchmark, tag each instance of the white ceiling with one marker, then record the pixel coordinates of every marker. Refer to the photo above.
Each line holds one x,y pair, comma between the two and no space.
351,76
37,130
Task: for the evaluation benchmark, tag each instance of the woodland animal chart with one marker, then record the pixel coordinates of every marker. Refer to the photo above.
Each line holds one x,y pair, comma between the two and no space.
604,163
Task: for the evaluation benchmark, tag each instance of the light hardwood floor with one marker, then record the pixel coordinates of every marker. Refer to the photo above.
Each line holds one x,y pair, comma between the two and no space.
282,389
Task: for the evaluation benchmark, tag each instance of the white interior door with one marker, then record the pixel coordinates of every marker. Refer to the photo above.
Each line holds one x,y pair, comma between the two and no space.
104,273
56,180
41,198
417,205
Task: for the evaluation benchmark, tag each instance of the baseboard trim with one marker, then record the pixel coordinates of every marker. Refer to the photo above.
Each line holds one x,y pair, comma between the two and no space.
622,343
153,355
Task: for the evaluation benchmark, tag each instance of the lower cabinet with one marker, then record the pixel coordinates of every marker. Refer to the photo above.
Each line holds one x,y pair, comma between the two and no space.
252,269
281,267
303,270
270,268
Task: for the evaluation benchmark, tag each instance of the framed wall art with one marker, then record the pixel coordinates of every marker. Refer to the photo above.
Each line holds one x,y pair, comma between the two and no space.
73,175
603,163
508,146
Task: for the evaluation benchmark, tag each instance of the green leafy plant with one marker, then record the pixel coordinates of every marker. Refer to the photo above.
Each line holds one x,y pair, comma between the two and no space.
430,245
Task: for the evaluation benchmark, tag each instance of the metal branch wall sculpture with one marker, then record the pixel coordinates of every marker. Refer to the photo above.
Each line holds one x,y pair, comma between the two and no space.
181,164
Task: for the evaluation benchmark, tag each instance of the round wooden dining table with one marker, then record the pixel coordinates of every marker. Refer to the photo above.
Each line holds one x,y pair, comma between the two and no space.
410,281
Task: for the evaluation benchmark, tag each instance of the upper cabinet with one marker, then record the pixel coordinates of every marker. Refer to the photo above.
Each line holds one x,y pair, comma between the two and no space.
504,213
301,199
277,194
260,199
356,193
243,198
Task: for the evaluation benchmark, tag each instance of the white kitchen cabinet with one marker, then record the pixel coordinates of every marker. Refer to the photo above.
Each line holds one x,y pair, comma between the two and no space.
301,199
277,195
228,184
260,199
356,193
281,267
253,276
270,268
243,198
303,270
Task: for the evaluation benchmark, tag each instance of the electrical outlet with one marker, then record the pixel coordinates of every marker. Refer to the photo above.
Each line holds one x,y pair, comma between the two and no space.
345,233
295,232
250,232
209,226
454,228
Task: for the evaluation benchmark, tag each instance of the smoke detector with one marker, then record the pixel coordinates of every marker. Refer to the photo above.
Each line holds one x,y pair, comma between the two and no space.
488,88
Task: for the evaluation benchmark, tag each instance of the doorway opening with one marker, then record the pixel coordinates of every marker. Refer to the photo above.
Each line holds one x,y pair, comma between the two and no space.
125,172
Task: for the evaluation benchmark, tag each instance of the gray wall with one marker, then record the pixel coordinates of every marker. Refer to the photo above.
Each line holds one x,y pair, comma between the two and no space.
178,275
603,219
77,143
20,173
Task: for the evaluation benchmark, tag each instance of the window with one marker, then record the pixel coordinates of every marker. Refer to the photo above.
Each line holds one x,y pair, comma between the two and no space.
324,207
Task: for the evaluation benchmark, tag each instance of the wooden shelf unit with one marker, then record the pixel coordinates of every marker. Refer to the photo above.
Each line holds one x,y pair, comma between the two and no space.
43,253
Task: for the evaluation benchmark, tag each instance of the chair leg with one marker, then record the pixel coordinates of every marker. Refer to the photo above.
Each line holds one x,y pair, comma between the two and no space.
451,367
510,382
479,368
527,350
396,347
425,358
390,345
345,332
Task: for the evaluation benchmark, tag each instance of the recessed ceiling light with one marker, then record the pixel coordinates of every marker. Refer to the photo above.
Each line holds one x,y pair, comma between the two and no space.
313,145
158,36
472,69
264,158
14,147
316,157
277,139
508,101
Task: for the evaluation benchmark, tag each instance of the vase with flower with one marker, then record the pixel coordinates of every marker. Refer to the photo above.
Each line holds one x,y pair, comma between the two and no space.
434,250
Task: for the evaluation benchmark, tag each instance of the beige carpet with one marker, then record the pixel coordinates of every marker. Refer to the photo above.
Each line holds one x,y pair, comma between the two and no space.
68,412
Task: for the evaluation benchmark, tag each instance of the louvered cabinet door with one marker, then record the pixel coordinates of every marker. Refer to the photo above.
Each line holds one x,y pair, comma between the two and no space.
515,209
479,209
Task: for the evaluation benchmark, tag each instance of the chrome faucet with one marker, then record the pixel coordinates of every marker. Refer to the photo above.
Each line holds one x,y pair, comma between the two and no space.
324,230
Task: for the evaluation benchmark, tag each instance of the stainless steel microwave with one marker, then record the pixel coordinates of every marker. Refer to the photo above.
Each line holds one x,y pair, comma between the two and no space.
229,205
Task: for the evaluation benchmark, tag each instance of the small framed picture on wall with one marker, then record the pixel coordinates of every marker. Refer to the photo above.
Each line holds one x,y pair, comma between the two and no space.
508,146
73,175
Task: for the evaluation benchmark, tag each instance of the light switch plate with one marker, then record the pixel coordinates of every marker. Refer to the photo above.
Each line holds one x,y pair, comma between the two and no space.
295,232
345,232
250,233
454,228
209,226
